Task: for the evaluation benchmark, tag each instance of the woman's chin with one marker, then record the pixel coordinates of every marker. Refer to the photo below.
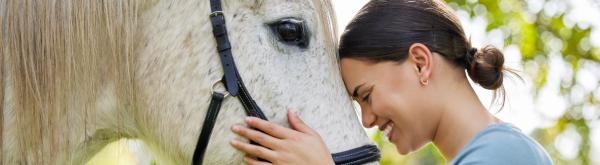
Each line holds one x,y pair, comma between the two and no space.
403,150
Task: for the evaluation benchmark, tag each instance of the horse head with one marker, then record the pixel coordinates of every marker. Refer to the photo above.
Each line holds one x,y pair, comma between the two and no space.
94,72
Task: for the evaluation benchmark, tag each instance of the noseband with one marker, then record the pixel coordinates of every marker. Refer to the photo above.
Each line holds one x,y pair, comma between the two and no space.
235,87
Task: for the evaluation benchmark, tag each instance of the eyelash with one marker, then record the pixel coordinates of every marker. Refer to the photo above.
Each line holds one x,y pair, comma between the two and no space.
366,98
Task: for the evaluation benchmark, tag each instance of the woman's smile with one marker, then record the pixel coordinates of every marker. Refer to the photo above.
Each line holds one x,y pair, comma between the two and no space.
388,130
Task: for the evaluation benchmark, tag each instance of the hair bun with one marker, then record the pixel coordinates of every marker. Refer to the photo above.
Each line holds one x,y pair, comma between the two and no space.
485,67
469,57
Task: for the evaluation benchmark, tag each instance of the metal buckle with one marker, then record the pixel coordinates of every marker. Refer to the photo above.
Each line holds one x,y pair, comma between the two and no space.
215,84
216,13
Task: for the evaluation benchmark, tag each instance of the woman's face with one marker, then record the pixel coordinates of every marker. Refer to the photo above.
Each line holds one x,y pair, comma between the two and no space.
391,97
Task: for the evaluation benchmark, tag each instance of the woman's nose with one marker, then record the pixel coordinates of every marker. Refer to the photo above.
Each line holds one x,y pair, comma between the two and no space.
368,118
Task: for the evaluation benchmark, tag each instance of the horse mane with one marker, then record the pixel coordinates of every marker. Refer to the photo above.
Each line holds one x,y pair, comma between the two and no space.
56,56
328,19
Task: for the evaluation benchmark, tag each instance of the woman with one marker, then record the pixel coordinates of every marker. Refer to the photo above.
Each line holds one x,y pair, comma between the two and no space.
404,62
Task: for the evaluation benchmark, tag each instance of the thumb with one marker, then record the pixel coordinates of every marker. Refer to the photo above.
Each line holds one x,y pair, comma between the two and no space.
297,124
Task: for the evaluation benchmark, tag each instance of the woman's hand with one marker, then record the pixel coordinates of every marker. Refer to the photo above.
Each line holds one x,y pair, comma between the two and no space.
281,145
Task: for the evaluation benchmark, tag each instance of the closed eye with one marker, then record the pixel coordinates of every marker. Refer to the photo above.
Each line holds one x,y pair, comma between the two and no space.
366,98
368,94
290,31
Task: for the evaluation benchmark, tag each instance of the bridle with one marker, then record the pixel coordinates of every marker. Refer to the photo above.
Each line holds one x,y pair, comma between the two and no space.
235,87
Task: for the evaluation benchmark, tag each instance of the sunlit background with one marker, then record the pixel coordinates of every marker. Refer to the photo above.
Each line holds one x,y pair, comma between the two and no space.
554,43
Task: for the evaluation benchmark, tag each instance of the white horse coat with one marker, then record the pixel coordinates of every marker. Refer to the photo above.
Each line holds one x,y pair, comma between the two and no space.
79,75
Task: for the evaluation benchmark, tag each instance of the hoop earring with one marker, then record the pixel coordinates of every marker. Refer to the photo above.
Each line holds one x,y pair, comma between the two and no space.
424,82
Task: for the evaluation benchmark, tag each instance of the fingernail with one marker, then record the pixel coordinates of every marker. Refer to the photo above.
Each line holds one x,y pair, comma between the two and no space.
233,142
248,119
235,128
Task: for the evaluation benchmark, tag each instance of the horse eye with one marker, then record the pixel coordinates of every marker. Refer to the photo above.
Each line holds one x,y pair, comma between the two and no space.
291,31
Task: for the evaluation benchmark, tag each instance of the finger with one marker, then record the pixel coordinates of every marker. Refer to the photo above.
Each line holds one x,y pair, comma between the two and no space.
258,151
252,161
270,128
297,124
256,136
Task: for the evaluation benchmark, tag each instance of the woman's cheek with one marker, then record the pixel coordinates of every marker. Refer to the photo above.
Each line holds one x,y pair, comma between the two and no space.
383,105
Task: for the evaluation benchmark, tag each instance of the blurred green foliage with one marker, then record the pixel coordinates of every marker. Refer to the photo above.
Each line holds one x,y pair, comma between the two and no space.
540,35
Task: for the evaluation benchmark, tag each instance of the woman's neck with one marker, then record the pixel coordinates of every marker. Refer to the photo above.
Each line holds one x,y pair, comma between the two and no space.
463,117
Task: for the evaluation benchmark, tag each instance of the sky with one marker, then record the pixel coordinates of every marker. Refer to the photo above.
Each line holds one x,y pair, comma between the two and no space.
521,109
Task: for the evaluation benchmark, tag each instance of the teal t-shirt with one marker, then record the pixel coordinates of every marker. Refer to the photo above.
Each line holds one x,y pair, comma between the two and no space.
502,144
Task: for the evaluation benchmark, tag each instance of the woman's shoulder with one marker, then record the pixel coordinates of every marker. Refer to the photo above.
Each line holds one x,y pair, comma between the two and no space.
502,144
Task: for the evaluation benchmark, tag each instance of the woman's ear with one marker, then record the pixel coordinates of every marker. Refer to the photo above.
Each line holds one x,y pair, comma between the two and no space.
423,59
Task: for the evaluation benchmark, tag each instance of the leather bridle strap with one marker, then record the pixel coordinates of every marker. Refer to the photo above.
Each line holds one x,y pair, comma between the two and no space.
361,155
236,88
232,80
209,123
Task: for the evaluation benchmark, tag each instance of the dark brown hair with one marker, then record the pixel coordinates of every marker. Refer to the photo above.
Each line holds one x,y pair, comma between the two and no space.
384,30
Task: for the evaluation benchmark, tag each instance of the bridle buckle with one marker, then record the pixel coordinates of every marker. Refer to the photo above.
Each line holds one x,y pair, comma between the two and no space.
216,13
214,89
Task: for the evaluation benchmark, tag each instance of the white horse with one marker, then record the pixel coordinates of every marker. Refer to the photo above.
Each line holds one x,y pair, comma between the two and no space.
77,75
